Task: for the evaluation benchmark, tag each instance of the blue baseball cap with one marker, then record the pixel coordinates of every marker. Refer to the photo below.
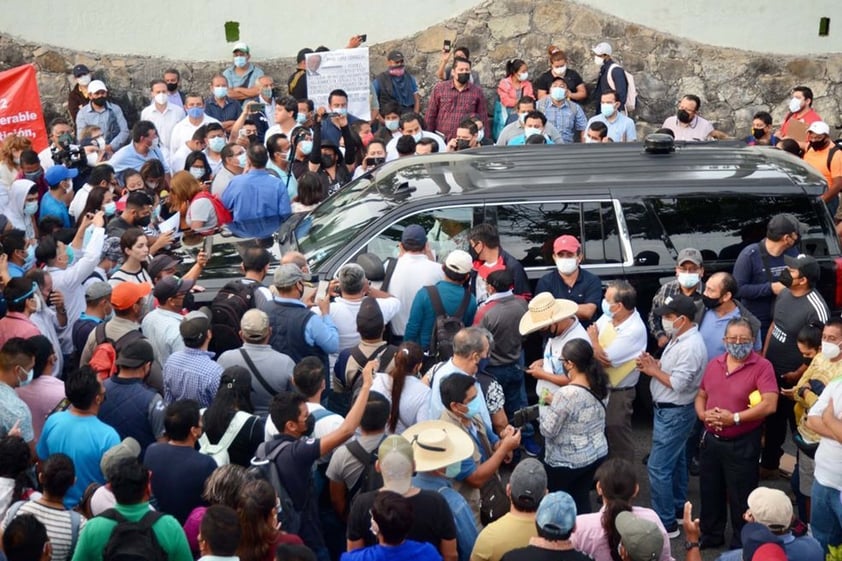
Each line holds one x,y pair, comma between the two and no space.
57,174
557,512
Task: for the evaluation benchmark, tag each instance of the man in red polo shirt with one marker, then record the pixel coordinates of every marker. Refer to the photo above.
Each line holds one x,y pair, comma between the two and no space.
800,109
730,448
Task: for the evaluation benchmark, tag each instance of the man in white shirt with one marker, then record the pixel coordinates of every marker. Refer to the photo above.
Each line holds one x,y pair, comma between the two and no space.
826,515
410,125
183,131
412,271
285,114
161,325
163,114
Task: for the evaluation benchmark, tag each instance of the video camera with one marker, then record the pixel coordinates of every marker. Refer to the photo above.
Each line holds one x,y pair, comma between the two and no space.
67,153
524,416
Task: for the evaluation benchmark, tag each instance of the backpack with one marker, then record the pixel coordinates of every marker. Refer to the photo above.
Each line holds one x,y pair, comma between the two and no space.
219,451
104,357
227,309
631,91
385,352
370,479
223,215
446,326
75,522
133,541
835,146
264,466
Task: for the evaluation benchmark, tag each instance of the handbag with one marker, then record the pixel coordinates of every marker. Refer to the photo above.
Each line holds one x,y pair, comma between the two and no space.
494,502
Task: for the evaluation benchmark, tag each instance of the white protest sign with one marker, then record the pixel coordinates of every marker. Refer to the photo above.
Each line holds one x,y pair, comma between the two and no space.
343,69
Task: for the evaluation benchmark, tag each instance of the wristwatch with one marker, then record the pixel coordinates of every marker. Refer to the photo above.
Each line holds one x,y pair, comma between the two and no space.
736,419
690,545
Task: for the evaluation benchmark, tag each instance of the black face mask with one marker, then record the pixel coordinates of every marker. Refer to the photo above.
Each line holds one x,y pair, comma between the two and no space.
786,278
462,144
463,78
328,160
819,144
98,101
473,253
711,303
172,87
143,221
806,360
373,162
311,425
758,133
683,116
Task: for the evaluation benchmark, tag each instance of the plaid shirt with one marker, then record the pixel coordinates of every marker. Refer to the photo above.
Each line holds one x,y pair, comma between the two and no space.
191,374
668,290
448,106
568,117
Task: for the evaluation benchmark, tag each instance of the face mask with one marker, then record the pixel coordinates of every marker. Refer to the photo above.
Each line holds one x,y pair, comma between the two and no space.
152,184
216,144
100,141
818,144
589,140
30,374
99,101
739,350
453,470
39,304
418,136
522,117
607,109
529,131
34,176
523,76
606,309
758,133
30,208
311,424
683,116
172,87
328,160
830,350
266,93
341,111
688,280
92,158
559,70
557,93
110,209
397,71
462,144
220,92
242,160
786,278
597,60
84,80
474,408
567,265
366,139
669,327
300,118
794,105
711,303
240,61
71,255
143,221
161,98
306,147
807,361
480,135
195,112
463,77
198,173
30,258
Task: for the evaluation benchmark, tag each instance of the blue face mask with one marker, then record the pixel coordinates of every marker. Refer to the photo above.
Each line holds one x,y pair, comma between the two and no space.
342,111
606,308
474,407
30,374
453,470
110,209
306,147
220,92
739,350
216,144
240,61
71,255
195,112
300,118
30,258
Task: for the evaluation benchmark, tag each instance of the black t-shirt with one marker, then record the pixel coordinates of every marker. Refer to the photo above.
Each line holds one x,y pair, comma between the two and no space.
532,553
432,519
178,477
295,465
790,315
245,444
297,84
545,80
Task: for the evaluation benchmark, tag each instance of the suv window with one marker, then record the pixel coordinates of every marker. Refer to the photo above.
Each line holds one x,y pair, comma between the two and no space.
527,230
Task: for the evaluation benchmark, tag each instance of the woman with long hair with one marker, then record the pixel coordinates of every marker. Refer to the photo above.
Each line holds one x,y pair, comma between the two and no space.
311,192
135,248
515,85
221,488
197,164
10,150
188,197
374,156
230,427
574,425
595,533
261,533
406,392
99,199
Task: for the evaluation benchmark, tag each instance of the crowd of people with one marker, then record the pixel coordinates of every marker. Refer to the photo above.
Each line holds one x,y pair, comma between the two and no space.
389,418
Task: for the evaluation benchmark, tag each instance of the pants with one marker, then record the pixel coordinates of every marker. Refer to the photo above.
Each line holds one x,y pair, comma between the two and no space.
618,428
801,483
776,425
510,376
826,515
728,475
667,465
577,482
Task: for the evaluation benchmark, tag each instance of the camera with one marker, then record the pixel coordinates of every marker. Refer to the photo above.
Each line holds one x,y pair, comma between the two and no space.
524,416
67,153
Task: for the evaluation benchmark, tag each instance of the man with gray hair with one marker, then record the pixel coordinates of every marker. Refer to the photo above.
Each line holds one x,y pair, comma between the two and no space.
353,287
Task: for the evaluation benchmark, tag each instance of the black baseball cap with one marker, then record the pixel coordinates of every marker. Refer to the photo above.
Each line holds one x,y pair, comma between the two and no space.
677,304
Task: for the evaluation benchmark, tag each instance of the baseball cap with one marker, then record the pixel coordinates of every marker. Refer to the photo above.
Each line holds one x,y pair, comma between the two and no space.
641,538
126,294
819,127
240,46
602,49
128,448
414,236
769,552
395,56
159,264
556,513
770,507
690,254
782,224
287,275
805,264
135,354
370,316
80,70
755,536
169,287
459,262
677,304
111,250
57,174
566,243
97,290
528,482
254,325
195,325
397,461
97,86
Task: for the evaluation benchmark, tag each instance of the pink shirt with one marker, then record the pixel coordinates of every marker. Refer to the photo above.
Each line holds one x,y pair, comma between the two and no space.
589,536
16,324
41,396
730,391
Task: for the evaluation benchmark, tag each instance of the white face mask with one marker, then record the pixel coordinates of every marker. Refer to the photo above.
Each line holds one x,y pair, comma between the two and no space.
669,327
523,76
92,158
160,98
597,60
566,265
84,80
559,70
830,350
480,135
795,105
529,131
688,280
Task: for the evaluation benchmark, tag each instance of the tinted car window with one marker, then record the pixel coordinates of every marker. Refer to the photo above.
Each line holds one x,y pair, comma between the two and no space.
602,237
527,230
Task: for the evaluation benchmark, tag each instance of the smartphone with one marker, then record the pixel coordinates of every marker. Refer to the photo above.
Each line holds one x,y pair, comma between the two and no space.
254,107
241,133
446,46
208,246
363,37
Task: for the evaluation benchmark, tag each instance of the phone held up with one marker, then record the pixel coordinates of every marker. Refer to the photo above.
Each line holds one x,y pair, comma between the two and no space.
446,47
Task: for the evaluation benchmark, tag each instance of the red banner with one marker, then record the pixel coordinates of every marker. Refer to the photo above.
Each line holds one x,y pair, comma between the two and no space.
20,106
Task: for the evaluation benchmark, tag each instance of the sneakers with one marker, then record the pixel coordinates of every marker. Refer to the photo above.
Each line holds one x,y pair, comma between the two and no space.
531,447
673,532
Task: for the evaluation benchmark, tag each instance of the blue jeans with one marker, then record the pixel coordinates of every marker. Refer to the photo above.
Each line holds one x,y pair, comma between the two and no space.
668,461
826,515
510,376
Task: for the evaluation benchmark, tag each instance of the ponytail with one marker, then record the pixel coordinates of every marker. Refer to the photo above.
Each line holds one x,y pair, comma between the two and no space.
618,484
408,357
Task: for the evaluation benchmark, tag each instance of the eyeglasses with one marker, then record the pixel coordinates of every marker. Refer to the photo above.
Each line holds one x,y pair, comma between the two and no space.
737,340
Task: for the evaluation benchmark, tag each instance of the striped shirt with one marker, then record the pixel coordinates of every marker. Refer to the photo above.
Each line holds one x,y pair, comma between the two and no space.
790,314
58,522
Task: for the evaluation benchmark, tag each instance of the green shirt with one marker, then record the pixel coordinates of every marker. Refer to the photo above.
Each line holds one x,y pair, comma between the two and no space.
96,532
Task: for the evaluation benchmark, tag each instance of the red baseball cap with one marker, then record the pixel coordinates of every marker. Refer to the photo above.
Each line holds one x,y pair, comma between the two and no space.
566,243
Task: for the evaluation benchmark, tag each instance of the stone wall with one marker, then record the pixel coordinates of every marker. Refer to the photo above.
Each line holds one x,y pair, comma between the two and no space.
732,84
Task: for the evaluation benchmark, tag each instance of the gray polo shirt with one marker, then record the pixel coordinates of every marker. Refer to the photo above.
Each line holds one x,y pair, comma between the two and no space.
276,368
685,358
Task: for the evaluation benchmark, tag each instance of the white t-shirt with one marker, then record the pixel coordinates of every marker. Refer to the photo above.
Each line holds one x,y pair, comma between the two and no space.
829,454
344,315
202,210
412,272
552,355
414,398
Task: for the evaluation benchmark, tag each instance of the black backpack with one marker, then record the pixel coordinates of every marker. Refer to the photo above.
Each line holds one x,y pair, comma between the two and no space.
227,309
446,326
133,541
264,466
370,479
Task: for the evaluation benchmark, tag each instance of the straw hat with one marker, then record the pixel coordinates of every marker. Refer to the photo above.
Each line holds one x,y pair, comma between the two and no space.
437,444
545,310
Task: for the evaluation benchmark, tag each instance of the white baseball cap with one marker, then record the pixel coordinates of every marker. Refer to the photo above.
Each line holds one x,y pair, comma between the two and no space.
97,86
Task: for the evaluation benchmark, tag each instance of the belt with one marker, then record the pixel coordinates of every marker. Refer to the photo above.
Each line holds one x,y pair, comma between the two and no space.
667,405
621,389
